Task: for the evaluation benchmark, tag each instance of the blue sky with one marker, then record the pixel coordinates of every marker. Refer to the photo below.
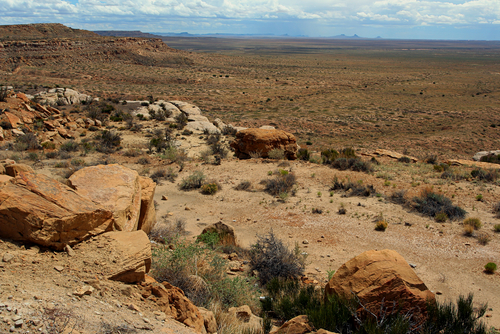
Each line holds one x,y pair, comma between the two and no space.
414,19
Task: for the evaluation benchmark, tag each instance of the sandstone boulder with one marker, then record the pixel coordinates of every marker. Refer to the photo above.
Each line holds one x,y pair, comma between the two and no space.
36,208
381,276
14,169
128,255
187,108
392,154
209,320
172,301
297,325
263,141
116,188
246,320
225,232
201,126
62,96
147,217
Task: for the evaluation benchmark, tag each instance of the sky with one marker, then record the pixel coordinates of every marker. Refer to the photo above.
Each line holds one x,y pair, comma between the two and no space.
402,19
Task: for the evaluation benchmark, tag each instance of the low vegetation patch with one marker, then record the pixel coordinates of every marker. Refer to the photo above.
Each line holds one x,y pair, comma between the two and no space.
210,188
381,225
490,268
244,185
281,183
474,222
193,181
271,258
431,204
352,188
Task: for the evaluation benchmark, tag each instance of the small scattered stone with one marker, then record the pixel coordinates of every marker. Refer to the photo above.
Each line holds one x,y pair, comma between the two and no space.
18,323
84,290
408,224
134,307
187,209
59,268
146,320
12,329
164,198
305,242
439,293
8,257
413,265
467,244
69,250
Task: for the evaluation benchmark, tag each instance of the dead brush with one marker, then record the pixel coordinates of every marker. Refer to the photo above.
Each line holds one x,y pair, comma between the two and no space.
166,232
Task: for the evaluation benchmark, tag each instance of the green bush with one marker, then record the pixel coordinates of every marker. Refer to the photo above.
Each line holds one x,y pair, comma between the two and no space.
193,181
430,204
107,141
164,174
405,160
354,189
276,154
474,222
496,228
244,185
28,141
303,154
271,258
441,217
69,146
488,176
280,184
210,188
490,268
381,225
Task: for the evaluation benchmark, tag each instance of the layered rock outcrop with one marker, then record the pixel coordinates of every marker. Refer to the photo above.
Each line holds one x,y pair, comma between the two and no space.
262,141
36,208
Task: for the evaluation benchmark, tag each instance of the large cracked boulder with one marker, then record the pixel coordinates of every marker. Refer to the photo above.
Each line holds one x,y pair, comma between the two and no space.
298,325
263,141
36,208
377,277
116,188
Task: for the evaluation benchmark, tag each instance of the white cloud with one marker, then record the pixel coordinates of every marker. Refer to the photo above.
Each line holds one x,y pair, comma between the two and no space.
136,14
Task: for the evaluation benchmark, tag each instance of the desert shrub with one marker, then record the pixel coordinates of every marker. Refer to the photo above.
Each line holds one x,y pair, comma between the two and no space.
143,161
431,159
381,225
94,112
483,238
490,267
48,145
492,158
405,160
271,258
255,154
107,141
441,217
454,175
200,273
32,156
210,188
468,230
276,154
496,210
352,188
219,150
166,231
132,153
399,197
69,146
4,93
28,141
450,318
328,156
51,154
244,185
229,131
164,174
78,162
474,222
193,181
280,184
430,204
496,228
353,164
303,154
181,120
441,167
485,175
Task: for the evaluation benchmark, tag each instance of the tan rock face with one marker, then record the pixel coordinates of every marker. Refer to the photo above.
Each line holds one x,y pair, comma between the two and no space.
116,188
36,208
147,218
297,325
14,169
263,141
245,319
171,301
208,320
129,257
376,276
